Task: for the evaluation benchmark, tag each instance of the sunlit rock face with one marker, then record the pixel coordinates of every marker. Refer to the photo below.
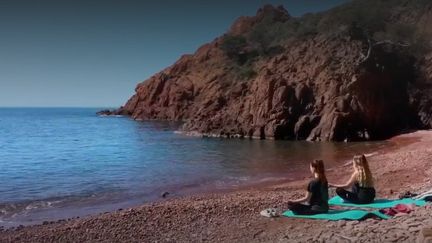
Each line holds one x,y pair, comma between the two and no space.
332,85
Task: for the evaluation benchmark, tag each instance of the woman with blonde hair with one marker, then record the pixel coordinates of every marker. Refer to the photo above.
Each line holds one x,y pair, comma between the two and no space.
317,193
361,182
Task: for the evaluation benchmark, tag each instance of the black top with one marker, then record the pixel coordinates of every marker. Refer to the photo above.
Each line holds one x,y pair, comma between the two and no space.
356,188
319,191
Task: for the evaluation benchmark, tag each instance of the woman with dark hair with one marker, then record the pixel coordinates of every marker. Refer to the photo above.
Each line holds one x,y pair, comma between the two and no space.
317,193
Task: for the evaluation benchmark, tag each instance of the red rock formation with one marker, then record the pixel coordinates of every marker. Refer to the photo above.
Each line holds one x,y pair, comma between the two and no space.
316,88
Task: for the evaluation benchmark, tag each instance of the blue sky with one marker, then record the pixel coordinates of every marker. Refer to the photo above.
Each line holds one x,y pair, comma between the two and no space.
92,53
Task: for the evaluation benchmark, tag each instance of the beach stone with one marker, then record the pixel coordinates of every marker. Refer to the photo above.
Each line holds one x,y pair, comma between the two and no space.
425,235
341,224
414,229
353,222
348,227
404,225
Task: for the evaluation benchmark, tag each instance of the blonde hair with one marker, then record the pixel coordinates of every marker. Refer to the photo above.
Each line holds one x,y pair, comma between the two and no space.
364,175
318,166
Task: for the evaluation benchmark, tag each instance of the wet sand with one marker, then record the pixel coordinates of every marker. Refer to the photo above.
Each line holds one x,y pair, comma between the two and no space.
234,216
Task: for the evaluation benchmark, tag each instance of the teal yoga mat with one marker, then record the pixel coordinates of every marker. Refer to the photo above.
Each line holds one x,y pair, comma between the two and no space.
334,215
378,203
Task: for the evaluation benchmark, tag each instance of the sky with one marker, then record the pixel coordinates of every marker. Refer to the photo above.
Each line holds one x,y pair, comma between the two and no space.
93,53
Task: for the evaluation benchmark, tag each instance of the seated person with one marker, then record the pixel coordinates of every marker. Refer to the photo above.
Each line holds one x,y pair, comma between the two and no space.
361,183
317,193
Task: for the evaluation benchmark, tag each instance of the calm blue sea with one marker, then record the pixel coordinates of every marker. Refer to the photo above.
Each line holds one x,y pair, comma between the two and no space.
64,162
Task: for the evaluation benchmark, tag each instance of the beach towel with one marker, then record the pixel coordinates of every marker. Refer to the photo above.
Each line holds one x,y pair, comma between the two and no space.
334,215
427,196
378,203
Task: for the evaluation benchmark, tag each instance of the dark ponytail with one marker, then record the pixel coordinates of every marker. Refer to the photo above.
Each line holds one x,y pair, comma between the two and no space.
318,166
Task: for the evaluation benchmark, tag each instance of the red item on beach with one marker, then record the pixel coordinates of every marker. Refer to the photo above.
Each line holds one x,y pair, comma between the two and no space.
399,209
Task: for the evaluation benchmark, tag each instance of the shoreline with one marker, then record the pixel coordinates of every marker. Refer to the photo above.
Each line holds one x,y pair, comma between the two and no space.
234,215
28,213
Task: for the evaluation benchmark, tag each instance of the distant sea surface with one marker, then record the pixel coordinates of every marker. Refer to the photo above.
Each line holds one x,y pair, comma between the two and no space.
57,163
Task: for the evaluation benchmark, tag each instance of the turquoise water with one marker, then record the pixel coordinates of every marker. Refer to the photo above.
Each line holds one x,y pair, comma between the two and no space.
63,162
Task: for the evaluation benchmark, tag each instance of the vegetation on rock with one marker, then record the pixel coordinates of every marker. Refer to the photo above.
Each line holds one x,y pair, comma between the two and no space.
359,71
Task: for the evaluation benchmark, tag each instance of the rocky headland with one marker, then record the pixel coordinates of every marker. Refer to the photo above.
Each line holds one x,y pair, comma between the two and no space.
360,71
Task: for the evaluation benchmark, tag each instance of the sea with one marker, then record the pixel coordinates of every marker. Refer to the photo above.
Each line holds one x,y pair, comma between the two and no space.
58,163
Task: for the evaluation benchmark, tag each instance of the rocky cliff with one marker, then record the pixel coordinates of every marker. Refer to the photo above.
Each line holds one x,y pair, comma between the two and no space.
324,76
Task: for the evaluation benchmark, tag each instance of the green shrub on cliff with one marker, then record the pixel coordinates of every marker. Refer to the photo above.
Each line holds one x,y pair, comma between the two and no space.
307,25
375,21
238,49
368,15
267,34
371,21
246,72
233,45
